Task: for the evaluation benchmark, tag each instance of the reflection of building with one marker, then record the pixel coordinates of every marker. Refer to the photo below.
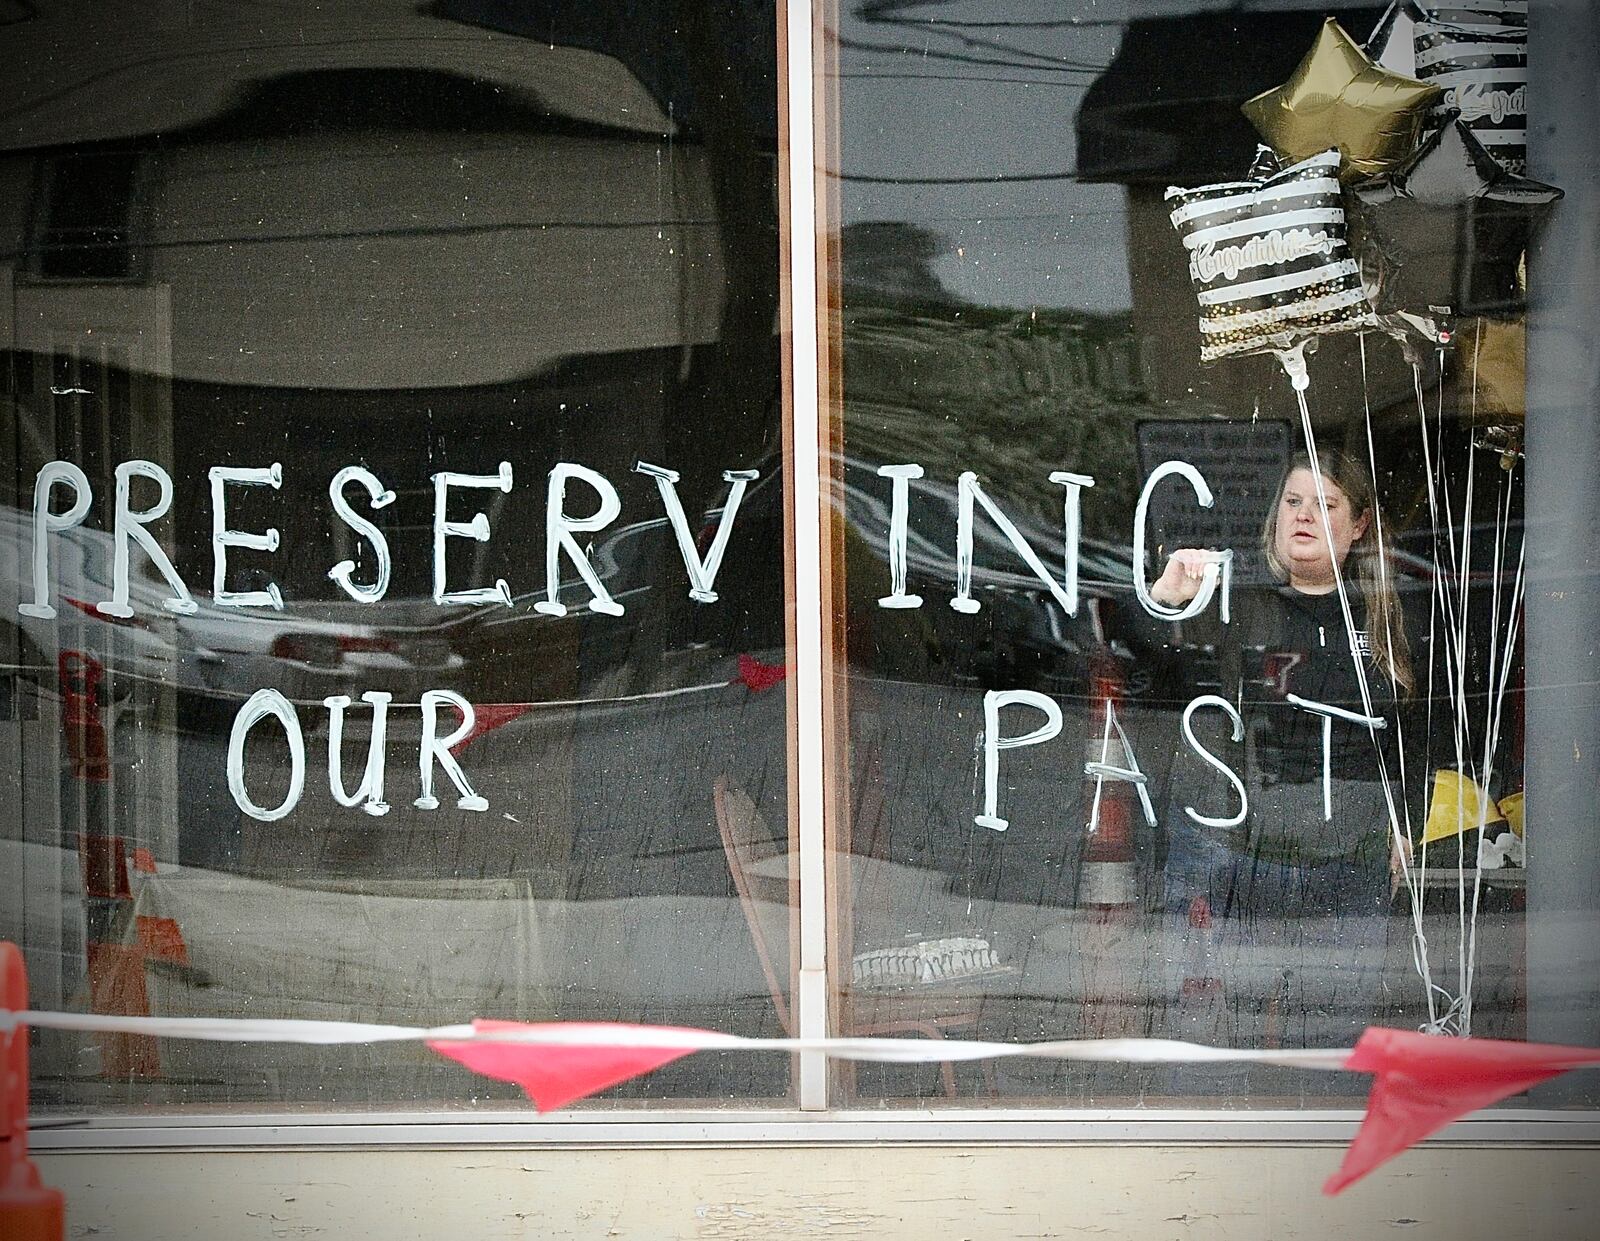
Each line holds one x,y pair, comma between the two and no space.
894,260
1166,112
393,236
1151,121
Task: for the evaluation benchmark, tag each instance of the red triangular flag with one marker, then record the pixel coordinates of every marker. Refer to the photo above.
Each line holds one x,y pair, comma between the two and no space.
758,676
488,716
1425,1081
552,1074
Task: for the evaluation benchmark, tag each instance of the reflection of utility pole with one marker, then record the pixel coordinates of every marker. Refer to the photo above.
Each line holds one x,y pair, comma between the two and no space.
732,383
725,410
1107,887
115,968
1563,602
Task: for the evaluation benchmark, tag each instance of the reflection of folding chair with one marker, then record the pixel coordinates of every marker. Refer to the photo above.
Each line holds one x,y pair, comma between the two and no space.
757,860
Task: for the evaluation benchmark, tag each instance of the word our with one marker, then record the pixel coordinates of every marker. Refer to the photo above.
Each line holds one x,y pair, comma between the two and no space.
433,750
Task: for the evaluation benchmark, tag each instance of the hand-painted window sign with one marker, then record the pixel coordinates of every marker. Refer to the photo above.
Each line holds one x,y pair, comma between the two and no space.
129,527
1188,488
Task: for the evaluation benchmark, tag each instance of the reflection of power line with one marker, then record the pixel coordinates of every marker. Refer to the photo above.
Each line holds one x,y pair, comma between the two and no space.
388,234
1044,59
997,179
1056,24
858,45
1072,213
962,77
995,45
883,12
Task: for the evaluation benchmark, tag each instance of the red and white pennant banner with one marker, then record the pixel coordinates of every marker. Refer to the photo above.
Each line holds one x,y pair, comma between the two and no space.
1420,1082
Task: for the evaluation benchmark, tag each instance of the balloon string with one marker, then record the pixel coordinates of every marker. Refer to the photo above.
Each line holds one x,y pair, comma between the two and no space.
1442,608
1500,661
1411,877
1491,721
1433,623
1453,607
1397,841
1498,676
1450,603
1464,745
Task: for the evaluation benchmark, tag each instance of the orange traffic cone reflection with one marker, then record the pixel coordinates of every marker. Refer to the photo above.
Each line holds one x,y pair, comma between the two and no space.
29,1209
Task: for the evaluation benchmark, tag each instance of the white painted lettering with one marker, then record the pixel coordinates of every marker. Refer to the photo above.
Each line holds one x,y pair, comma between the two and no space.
993,743
370,789
559,528
1223,705
968,491
1330,713
258,706
1128,770
130,525
477,529
379,496
1221,567
702,573
899,506
223,538
435,749
46,523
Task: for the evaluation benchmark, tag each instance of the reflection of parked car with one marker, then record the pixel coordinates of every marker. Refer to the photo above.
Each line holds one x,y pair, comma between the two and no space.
516,654
1021,636
399,645
1422,554
402,644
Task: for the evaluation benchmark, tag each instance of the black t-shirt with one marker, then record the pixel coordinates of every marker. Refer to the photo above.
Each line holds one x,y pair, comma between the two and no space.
1281,643
1293,643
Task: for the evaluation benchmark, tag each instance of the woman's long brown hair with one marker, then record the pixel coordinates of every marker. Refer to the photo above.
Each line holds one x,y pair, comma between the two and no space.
1386,629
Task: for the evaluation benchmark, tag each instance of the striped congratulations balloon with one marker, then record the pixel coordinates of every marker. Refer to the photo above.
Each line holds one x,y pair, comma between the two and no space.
1269,259
1478,53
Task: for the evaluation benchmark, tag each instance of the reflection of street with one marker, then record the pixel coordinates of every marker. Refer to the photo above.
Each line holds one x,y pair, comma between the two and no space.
405,951
599,797
627,913
431,950
923,869
595,886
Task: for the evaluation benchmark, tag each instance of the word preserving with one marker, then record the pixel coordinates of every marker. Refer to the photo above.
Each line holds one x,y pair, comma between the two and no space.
129,527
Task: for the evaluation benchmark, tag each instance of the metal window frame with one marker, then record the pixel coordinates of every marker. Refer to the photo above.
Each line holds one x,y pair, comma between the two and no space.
800,169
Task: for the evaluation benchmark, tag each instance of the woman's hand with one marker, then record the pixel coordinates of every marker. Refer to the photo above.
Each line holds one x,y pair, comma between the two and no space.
1180,580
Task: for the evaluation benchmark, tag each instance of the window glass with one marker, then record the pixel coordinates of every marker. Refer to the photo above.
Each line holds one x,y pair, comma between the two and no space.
430,354
1280,797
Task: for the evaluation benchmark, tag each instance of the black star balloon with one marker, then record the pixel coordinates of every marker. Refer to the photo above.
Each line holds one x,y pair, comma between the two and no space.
1478,53
1391,42
1444,232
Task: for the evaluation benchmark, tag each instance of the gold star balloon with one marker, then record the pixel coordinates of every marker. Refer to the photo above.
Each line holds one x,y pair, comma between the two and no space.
1339,97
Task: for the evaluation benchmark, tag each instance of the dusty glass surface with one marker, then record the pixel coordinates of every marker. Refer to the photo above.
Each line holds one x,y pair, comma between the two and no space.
1053,829
426,256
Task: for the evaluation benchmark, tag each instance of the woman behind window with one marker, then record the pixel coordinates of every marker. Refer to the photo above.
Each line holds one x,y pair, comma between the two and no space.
1289,907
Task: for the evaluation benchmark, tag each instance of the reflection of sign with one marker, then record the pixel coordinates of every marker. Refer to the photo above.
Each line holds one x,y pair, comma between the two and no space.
1241,461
